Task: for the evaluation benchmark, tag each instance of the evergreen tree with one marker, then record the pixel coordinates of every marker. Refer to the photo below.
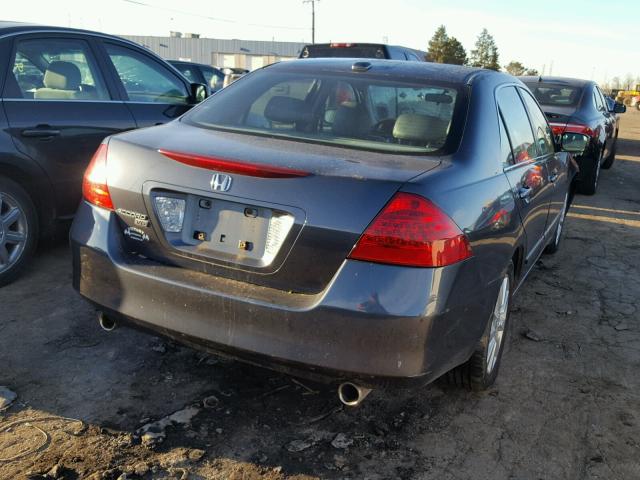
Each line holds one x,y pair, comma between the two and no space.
445,49
515,68
485,55
438,45
455,52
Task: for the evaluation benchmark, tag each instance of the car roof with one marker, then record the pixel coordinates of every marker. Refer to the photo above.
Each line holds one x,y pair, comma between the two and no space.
568,81
434,71
13,28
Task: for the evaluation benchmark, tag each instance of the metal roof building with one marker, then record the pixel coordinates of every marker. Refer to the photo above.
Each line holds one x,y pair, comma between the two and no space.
250,54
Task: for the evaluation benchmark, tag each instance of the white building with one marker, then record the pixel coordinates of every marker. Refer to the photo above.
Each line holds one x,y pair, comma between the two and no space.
249,54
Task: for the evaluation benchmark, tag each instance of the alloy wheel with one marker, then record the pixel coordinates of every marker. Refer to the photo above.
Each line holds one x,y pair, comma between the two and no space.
13,231
498,323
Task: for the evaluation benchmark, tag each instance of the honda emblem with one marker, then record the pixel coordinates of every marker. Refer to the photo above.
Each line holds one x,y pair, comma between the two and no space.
220,182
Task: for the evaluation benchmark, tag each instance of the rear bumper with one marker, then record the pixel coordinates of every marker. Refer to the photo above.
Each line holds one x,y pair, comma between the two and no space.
372,323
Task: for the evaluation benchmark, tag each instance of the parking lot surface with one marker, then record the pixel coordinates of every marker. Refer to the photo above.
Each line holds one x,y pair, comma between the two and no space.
124,404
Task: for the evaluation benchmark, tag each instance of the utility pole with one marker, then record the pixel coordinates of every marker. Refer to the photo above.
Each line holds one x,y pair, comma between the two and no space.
313,18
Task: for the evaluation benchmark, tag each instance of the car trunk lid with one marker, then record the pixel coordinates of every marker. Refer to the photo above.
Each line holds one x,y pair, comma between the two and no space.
558,117
289,231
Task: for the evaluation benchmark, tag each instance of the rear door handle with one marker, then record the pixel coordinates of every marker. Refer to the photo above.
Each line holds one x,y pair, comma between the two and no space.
40,133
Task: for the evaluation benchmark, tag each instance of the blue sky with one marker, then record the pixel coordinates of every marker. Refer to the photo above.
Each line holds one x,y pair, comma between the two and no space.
587,39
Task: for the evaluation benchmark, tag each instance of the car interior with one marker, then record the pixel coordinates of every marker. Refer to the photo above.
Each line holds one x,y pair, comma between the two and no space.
419,116
62,80
55,72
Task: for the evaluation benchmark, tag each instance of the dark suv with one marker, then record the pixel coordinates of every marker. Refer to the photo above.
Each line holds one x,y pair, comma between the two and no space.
362,50
64,90
578,106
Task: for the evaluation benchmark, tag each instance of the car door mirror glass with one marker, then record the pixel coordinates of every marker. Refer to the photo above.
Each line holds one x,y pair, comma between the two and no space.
198,92
619,108
574,143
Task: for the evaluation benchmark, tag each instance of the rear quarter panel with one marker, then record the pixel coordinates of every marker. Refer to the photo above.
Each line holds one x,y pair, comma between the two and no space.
473,190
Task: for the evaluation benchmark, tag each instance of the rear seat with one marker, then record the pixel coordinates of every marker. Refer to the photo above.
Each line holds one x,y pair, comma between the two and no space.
62,82
420,130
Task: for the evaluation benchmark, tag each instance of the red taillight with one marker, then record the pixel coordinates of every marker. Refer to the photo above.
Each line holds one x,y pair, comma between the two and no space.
557,128
560,128
233,166
94,183
412,231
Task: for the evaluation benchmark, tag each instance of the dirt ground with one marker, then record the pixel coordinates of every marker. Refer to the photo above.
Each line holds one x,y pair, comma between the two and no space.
566,404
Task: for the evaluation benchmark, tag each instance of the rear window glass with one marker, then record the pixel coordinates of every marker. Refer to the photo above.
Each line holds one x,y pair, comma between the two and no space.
350,110
558,95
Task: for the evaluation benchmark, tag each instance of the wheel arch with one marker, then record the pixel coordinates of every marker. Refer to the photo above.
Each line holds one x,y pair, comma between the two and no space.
518,262
37,186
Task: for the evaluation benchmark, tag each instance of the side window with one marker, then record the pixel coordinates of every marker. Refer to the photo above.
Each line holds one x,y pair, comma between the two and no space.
517,125
341,96
429,101
384,102
506,153
144,79
214,78
544,135
56,69
605,105
188,72
598,100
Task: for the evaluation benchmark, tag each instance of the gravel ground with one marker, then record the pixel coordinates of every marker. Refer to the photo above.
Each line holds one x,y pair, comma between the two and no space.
124,404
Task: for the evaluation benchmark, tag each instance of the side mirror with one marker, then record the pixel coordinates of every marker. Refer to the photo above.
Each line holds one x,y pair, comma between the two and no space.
574,143
198,92
619,108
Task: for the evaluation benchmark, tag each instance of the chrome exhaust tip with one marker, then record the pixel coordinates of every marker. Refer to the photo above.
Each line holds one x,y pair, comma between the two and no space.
351,394
105,322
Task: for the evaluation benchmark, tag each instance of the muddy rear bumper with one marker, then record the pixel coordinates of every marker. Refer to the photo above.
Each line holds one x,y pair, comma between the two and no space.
374,323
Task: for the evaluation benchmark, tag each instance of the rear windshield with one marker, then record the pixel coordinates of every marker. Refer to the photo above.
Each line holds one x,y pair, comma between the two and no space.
558,95
358,111
344,51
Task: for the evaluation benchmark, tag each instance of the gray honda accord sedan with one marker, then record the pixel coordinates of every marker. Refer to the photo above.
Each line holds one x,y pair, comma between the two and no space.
363,222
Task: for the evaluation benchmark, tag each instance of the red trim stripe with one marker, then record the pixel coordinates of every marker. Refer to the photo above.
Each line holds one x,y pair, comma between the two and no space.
233,166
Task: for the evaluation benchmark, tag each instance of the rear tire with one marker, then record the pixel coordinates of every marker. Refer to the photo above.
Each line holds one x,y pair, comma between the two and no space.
480,371
18,229
612,156
588,184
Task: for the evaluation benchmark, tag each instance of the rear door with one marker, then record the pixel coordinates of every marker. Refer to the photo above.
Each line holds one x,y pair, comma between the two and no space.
527,170
555,163
609,120
59,107
154,93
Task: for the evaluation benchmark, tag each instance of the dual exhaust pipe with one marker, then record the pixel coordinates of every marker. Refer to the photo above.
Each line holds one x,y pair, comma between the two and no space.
350,394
